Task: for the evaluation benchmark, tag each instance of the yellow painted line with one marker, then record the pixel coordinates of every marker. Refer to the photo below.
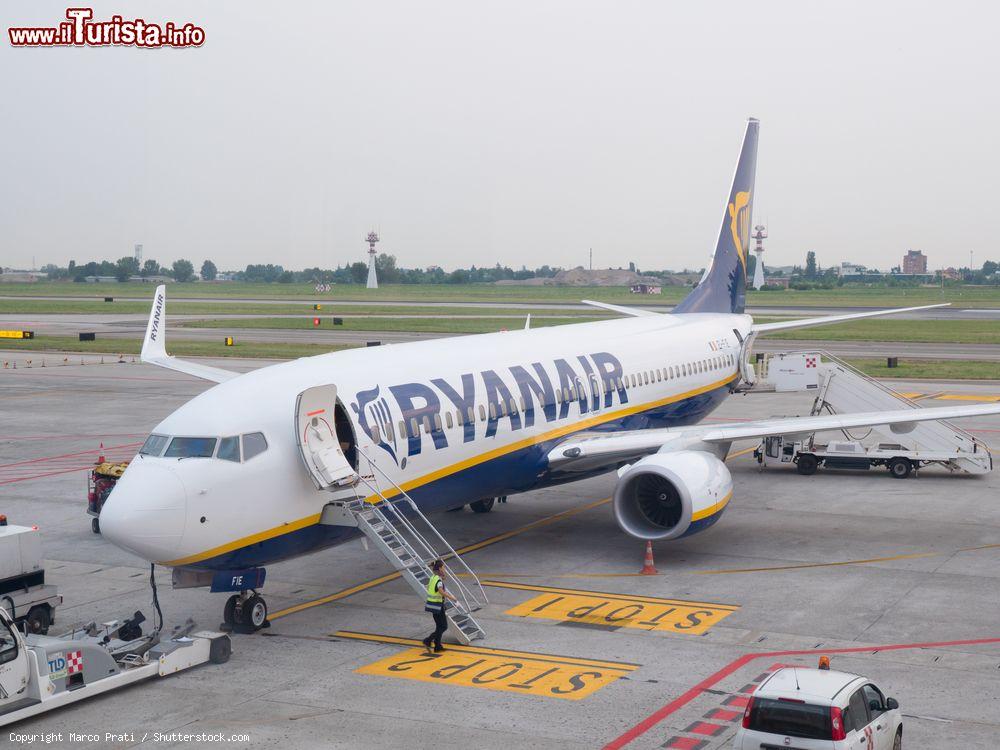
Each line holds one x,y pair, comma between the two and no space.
464,550
618,610
816,565
539,675
576,426
967,397
605,595
926,396
912,395
976,549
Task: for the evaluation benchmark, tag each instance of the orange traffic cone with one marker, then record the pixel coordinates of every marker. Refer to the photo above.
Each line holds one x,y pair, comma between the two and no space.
647,563
100,458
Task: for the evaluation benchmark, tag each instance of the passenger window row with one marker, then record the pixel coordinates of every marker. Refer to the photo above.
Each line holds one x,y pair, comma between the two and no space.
673,372
236,448
570,394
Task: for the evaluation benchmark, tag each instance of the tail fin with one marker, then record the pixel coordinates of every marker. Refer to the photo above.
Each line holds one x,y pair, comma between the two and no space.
722,288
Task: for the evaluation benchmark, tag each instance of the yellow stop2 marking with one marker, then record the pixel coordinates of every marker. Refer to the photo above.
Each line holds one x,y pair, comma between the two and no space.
618,610
527,673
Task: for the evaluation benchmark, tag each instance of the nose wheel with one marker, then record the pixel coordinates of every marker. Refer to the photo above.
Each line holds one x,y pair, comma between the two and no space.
245,612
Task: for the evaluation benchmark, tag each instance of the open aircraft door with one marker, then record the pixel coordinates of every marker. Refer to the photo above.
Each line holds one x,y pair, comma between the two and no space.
747,373
317,439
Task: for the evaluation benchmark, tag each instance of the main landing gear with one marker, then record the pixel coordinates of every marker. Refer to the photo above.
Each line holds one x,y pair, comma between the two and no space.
482,506
245,612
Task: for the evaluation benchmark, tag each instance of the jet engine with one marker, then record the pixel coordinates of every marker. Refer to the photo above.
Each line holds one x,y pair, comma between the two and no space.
668,495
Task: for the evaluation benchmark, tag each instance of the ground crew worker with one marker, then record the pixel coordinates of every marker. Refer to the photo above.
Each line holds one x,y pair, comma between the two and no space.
436,594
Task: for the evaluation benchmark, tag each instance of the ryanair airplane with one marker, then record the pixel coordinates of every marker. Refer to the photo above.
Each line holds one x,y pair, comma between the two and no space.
238,478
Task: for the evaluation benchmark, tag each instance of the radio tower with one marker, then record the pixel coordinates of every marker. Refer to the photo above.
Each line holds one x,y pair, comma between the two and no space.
759,234
372,238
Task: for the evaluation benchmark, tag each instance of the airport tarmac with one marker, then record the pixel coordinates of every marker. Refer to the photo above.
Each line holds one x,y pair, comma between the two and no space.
897,580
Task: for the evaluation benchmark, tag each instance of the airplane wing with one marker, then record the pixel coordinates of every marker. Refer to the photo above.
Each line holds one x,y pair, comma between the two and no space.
633,311
586,453
807,322
154,350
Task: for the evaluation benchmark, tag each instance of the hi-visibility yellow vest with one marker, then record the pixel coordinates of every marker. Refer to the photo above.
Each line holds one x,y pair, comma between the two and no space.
433,595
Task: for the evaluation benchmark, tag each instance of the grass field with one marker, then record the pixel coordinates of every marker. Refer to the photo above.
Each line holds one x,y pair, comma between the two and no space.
931,369
181,307
967,296
888,329
419,325
177,348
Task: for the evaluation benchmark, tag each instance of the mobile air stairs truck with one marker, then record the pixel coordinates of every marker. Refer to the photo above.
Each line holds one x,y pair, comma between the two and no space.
842,389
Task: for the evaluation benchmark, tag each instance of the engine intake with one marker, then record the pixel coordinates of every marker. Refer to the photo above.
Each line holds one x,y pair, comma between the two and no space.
660,496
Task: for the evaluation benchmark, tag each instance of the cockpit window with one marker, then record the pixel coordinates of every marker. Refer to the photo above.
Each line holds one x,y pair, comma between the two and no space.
191,447
229,449
154,445
253,445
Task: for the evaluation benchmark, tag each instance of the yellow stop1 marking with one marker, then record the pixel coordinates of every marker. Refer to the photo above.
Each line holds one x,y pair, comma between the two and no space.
618,610
527,673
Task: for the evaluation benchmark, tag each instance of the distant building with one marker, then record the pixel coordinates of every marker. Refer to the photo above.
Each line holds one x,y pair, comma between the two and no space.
646,289
951,274
850,269
781,281
914,262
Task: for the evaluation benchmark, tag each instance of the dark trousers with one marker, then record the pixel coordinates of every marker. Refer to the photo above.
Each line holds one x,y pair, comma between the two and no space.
440,625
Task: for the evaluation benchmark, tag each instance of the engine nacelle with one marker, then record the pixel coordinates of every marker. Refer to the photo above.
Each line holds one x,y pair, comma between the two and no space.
668,495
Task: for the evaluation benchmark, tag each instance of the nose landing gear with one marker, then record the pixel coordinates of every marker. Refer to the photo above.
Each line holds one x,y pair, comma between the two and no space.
245,612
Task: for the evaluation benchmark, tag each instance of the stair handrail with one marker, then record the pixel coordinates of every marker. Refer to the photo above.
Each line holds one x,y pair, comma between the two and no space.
451,553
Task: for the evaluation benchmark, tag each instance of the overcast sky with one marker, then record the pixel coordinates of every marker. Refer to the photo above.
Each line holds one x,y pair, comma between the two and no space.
518,132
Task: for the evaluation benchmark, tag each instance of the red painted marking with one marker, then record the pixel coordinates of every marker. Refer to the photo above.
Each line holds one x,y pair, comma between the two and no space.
71,437
685,743
67,455
705,728
736,700
664,711
748,688
314,413
721,714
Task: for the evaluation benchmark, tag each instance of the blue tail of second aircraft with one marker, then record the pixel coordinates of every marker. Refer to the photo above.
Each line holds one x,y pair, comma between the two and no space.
723,287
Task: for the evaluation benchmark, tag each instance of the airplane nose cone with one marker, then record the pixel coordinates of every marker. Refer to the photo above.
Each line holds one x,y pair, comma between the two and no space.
145,513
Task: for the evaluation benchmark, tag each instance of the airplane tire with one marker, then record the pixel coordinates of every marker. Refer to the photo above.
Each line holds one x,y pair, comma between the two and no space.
806,464
254,612
229,611
900,467
483,506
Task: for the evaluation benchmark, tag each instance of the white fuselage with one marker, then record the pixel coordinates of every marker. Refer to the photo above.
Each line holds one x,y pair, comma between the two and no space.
449,420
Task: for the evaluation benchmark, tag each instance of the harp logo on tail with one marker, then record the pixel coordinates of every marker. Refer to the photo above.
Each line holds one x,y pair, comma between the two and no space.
739,225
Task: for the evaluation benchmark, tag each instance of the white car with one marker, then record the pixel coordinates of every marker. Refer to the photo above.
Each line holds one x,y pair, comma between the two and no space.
800,708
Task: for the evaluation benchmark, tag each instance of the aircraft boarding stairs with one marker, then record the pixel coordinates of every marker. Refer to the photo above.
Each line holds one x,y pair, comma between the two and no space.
356,499
842,389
